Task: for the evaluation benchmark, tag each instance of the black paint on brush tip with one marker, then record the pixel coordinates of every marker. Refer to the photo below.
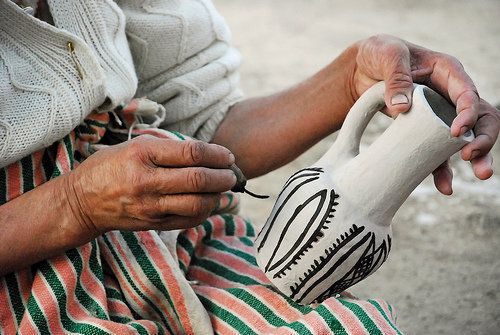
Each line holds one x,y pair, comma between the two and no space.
241,182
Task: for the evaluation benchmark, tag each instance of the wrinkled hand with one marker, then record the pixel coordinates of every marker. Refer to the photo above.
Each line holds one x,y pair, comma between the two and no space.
399,64
149,183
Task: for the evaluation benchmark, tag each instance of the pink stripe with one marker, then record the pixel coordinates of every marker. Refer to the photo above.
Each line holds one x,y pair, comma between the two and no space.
241,227
14,180
67,276
138,280
235,306
48,304
119,307
126,287
348,319
171,280
235,263
375,315
25,282
316,324
221,327
183,256
27,325
8,323
92,285
233,241
276,303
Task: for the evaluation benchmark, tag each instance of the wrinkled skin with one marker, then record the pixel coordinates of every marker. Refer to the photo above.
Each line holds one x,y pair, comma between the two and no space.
401,63
150,183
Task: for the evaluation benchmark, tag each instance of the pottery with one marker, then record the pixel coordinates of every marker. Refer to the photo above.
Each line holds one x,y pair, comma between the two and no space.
331,224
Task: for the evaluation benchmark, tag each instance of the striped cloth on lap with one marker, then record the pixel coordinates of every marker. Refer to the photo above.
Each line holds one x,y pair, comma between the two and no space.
129,282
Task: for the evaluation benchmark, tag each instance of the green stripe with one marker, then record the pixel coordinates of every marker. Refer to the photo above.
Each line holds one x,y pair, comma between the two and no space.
111,293
69,148
216,244
120,319
362,316
48,162
265,311
15,296
226,316
182,266
207,225
92,122
81,294
61,297
147,267
331,320
224,272
230,197
185,243
140,328
95,262
230,225
246,241
37,315
179,135
132,284
250,229
376,304
27,173
3,186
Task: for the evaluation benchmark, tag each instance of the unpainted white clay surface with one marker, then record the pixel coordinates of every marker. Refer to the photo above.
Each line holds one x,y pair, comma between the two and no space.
330,226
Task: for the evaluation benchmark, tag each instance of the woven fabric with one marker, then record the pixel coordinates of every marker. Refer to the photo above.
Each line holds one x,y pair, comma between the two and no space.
130,283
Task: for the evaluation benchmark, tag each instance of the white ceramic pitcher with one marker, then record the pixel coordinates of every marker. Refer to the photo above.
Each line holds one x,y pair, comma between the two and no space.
330,226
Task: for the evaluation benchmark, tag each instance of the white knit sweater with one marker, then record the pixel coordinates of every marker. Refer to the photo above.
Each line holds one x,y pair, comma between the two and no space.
51,77
184,60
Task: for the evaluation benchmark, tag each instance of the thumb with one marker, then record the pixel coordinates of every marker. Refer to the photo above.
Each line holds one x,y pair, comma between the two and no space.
398,84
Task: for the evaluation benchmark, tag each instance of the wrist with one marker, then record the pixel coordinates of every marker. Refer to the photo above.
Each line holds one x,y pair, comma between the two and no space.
339,77
80,226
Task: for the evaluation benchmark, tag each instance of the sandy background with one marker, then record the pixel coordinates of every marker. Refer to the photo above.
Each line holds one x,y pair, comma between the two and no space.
443,272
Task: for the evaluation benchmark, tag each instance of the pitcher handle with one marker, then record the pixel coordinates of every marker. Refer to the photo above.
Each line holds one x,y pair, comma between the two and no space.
357,119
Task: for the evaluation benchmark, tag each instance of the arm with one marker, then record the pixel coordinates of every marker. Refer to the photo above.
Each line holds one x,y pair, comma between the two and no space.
266,133
147,183
282,126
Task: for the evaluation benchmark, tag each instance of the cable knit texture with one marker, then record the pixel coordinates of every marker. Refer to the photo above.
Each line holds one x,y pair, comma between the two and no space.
183,58
101,24
42,97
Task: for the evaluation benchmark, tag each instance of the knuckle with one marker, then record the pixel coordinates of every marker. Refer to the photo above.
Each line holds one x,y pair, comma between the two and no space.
198,179
200,206
450,61
399,80
194,151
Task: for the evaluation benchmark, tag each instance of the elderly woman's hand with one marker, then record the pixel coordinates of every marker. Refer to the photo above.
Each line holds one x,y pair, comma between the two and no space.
149,183
401,63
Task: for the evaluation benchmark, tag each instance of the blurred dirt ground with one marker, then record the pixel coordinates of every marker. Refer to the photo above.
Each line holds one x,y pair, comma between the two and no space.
443,272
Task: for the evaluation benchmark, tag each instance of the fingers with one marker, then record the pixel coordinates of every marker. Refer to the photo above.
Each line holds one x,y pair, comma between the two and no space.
398,79
187,205
447,76
486,130
482,166
443,177
192,180
171,153
467,108
385,57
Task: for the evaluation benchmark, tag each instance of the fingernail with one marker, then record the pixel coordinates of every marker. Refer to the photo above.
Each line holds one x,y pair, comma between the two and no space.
474,154
231,159
399,99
